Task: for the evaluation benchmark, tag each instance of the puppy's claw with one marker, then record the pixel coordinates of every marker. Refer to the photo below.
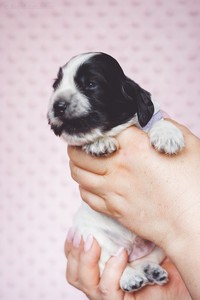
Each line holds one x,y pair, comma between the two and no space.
101,147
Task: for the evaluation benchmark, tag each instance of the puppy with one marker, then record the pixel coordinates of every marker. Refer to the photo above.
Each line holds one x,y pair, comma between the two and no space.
91,103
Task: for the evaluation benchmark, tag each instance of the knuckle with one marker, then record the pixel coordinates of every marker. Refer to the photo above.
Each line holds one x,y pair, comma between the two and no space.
66,249
69,150
104,289
71,280
74,171
83,194
78,283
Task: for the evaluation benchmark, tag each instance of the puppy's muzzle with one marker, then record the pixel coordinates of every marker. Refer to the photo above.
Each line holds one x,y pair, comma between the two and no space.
59,108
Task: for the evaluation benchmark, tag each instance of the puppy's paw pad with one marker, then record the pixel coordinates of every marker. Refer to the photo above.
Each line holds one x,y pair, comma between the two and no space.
132,280
101,147
132,284
166,137
155,274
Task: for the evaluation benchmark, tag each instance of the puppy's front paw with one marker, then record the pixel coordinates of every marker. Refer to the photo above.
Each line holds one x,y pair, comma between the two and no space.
166,137
102,146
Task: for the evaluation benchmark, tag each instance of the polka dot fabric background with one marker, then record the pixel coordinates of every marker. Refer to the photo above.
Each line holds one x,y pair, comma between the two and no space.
157,42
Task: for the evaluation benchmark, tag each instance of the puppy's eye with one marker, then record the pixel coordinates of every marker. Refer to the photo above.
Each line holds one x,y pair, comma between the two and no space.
91,85
58,79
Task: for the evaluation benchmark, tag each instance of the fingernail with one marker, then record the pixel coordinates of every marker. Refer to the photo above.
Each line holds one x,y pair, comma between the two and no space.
77,239
119,251
88,243
70,234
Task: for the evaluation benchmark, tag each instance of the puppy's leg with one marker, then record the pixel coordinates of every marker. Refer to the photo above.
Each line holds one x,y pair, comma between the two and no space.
102,146
166,137
144,271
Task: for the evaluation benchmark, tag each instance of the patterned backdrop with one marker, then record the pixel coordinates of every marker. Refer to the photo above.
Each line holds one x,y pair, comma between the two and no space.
157,42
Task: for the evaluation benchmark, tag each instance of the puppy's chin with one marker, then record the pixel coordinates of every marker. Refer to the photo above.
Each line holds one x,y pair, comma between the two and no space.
81,139
57,129
79,131
76,136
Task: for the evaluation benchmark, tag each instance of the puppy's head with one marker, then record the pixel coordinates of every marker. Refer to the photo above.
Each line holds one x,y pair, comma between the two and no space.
92,95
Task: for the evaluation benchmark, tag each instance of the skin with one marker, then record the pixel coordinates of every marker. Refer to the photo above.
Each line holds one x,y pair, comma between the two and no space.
83,273
168,190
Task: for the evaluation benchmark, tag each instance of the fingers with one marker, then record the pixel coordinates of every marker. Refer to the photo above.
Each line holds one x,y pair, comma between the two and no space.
91,171
69,240
88,272
174,289
97,165
94,201
73,249
83,270
83,273
133,138
82,266
110,281
85,178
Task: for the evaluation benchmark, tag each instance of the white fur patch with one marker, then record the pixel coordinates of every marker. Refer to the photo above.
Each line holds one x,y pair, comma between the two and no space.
166,137
95,134
82,139
102,146
78,104
111,236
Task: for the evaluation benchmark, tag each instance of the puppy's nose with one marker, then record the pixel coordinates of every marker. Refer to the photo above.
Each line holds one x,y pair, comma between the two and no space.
60,108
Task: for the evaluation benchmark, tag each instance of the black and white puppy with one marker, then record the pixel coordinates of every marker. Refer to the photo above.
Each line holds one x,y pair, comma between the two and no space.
91,103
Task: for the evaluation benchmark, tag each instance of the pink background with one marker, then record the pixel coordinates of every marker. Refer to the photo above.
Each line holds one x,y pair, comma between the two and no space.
157,43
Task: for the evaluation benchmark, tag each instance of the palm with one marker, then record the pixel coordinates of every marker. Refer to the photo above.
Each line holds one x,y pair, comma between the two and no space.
85,277
173,290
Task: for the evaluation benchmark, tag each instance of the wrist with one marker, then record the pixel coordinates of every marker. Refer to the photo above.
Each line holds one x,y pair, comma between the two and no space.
183,236
184,254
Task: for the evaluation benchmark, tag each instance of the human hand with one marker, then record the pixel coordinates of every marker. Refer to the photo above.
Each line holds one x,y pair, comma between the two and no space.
83,273
151,193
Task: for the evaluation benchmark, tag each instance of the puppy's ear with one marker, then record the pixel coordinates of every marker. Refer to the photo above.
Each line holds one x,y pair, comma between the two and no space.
141,100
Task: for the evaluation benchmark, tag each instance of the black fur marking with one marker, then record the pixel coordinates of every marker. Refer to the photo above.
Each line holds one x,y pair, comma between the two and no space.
102,80
114,98
145,107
